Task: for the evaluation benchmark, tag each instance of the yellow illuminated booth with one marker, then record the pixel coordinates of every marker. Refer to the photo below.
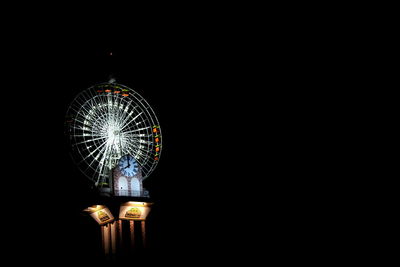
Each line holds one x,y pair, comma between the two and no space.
133,210
100,213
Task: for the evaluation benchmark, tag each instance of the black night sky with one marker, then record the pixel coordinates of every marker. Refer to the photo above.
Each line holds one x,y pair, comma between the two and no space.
217,92
192,85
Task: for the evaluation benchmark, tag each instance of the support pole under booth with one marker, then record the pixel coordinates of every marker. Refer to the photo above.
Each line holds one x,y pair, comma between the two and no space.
103,242
120,233
106,239
143,224
132,231
113,238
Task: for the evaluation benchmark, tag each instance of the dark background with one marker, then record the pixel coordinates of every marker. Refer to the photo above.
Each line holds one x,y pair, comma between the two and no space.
200,89
253,104
232,103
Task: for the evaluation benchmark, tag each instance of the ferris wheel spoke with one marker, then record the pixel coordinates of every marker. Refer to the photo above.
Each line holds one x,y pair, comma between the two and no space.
140,143
128,120
139,151
84,122
90,140
77,108
86,135
102,166
140,135
136,130
123,110
84,107
80,128
100,147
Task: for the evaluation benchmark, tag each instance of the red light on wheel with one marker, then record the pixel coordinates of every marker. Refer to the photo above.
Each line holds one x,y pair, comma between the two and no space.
125,95
157,140
156,158
154,130
157,149
107,91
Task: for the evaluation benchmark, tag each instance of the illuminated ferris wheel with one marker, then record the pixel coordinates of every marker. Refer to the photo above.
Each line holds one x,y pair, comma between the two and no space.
108,121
